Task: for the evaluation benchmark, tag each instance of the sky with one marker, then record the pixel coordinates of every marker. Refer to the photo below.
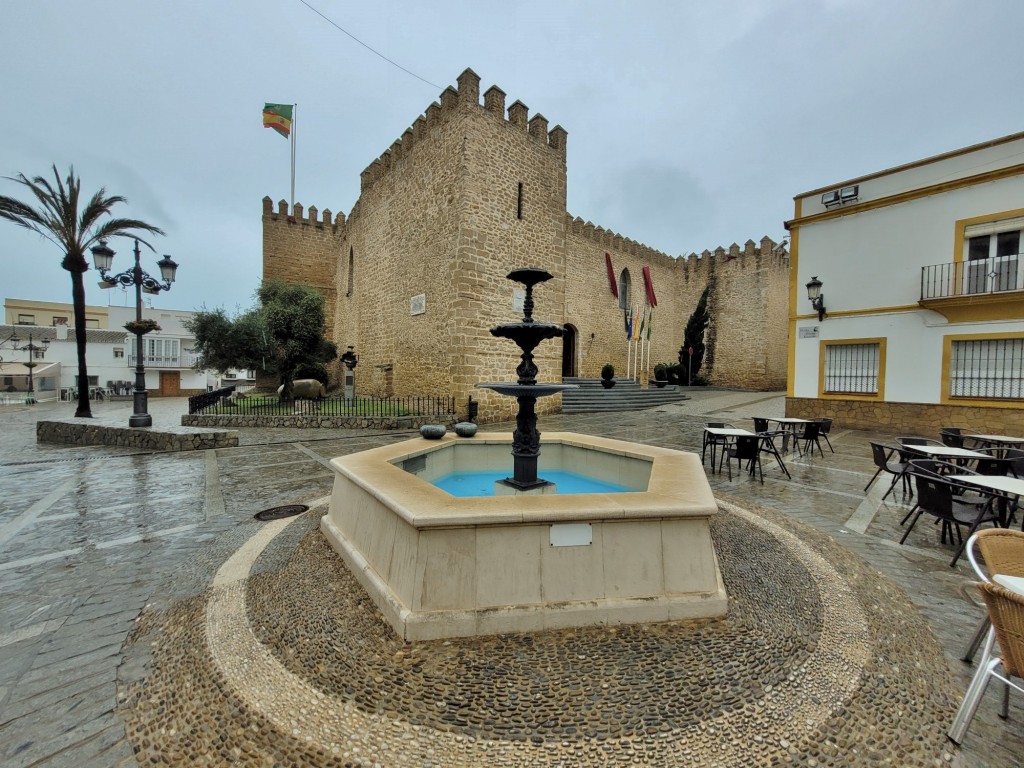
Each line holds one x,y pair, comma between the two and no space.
691,124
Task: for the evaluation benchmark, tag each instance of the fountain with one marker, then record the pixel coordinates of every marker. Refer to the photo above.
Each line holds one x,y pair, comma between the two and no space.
526,439
526,558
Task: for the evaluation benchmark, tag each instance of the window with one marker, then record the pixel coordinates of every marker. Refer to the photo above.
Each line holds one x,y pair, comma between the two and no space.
351,271
993,256
92,322
519,202
26,319
159,351
853,367
987,368
118,352
59,320
624,290
94,381
8,381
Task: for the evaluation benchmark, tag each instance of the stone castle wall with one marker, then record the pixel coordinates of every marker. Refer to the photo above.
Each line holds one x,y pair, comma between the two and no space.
470,192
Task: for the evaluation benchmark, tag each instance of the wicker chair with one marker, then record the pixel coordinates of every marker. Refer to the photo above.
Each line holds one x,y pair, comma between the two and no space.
1006,610
1003,552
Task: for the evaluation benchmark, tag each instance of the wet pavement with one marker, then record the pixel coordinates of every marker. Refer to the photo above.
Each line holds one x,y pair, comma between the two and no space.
92,538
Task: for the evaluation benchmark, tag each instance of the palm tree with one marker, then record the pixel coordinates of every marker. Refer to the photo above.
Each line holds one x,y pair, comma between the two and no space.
57,219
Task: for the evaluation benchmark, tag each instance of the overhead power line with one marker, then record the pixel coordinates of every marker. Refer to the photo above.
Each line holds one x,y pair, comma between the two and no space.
371,50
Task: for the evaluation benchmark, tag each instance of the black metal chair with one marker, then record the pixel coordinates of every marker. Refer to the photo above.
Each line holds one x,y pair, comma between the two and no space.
951,436
937,496
882,456
746,449
824,427
809,438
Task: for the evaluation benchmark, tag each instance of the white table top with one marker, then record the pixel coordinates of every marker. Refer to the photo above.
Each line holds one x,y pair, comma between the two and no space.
727,432
1013,486
1004,439
791,420
945,450
1013,583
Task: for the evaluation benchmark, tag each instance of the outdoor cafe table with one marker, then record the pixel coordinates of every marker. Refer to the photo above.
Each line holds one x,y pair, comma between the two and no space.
1004,485
945,451
726,432
999,441
733,432
1012,583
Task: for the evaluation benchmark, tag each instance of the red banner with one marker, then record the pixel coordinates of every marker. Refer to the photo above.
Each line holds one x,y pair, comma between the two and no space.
611,275
649,287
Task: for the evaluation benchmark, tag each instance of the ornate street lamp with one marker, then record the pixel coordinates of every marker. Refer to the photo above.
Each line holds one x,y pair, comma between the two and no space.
103,257
31,348
816,297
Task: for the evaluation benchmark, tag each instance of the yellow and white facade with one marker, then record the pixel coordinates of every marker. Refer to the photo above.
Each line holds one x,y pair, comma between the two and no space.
922,272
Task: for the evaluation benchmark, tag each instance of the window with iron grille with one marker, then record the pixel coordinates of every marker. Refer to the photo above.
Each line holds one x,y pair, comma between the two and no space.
987,368
852,368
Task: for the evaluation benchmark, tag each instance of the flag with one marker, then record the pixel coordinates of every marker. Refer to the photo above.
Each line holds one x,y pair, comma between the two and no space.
643,324
627,319
650,323
278,117
636,322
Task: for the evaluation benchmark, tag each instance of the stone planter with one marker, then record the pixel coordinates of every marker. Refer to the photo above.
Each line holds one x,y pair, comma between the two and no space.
465,429
433,431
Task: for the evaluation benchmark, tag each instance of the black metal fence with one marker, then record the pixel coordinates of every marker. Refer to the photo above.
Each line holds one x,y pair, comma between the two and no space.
197,403
255,404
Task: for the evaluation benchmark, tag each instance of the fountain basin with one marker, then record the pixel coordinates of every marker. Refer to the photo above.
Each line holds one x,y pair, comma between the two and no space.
441,566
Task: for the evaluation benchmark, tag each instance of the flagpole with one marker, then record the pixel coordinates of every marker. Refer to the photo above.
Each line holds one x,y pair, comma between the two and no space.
295,112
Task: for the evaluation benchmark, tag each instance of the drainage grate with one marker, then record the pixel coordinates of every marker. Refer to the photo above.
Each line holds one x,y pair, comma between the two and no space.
276,513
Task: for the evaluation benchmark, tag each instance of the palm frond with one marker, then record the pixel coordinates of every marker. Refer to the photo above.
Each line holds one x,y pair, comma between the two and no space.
97,207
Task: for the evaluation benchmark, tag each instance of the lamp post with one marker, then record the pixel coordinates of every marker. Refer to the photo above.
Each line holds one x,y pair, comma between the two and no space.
31,364
103,257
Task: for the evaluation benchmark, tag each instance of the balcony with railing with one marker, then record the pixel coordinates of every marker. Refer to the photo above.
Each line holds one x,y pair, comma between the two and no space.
182,360
979,289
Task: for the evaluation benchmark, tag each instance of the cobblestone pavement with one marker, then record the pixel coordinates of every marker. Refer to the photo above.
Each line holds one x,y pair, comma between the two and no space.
93,538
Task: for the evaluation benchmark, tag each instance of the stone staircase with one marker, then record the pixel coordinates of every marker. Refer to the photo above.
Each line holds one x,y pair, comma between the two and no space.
626,395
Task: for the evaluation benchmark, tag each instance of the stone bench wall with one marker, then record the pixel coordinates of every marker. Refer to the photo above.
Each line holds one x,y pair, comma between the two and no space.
142,438
315,421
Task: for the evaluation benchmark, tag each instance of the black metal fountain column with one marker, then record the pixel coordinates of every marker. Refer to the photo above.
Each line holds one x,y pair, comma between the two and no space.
527,335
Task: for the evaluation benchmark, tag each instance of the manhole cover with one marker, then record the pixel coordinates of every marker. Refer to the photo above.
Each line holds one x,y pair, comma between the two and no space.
276,513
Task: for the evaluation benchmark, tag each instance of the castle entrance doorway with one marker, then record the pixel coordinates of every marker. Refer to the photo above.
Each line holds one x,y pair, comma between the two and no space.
569,338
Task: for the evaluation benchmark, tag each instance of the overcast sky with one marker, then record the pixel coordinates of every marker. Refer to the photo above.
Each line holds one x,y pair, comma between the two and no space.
691,124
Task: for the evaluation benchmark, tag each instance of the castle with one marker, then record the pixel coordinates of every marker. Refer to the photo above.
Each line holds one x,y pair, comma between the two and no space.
414,276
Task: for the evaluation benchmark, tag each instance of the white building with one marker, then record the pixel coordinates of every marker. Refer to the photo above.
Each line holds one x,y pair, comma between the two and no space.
923,289
168,354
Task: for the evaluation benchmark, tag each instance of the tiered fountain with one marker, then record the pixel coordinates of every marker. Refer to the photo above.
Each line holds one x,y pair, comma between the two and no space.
526,558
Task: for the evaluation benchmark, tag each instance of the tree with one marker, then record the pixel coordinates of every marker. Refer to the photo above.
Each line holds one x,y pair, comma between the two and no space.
693,338
58,219
283,334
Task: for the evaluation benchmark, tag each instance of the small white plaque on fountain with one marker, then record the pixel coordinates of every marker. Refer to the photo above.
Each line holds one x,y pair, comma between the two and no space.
572,535
418,304
518,299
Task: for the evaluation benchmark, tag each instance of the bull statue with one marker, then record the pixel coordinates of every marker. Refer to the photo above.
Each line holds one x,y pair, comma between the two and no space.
305,389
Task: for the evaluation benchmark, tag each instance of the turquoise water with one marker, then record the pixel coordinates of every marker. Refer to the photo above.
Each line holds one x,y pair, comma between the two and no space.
482,483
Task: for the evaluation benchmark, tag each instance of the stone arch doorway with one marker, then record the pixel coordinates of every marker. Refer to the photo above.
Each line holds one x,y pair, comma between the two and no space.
569,339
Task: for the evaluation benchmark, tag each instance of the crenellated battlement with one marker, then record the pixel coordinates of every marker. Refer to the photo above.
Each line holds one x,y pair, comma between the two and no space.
452,101
768,254
312,217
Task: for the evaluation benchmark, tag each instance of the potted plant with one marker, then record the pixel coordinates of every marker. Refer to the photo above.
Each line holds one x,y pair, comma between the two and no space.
142,327
660,375
608,376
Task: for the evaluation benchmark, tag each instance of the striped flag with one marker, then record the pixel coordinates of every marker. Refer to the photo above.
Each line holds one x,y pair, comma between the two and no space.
278,117
650,322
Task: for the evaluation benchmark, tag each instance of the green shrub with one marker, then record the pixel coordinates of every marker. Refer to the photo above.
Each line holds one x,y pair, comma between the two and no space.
661,372
608,371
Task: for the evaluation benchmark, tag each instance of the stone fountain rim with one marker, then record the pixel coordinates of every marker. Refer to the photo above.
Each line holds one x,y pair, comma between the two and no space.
423,505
